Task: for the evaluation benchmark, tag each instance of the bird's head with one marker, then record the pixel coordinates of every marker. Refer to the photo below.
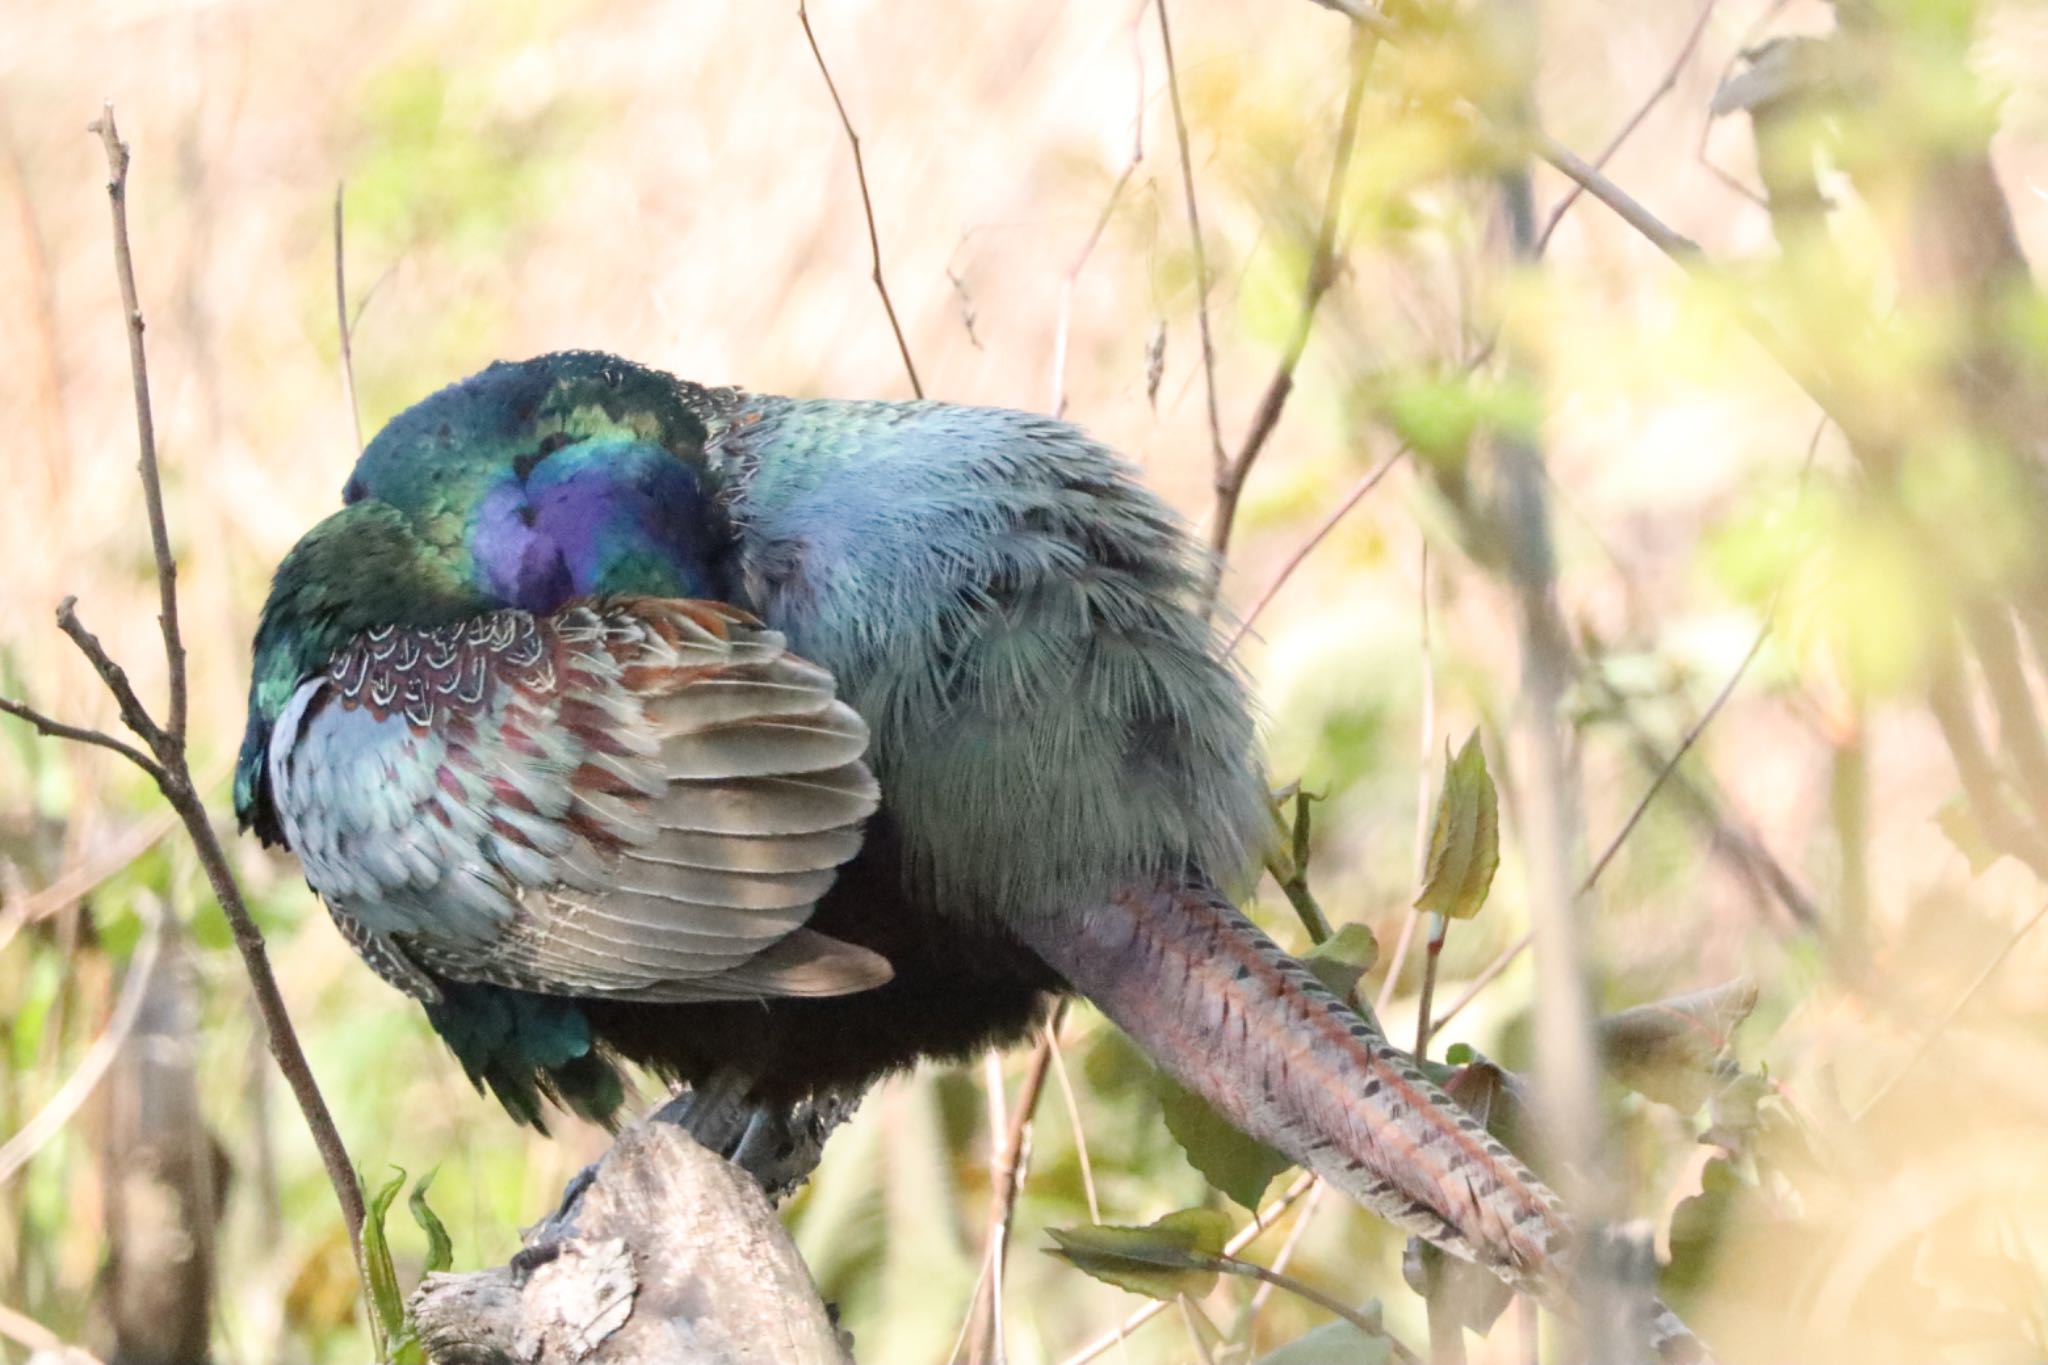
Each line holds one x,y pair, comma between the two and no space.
569,475
526,485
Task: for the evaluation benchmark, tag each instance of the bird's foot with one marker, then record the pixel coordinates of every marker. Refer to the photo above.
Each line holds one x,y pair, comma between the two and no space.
779,1145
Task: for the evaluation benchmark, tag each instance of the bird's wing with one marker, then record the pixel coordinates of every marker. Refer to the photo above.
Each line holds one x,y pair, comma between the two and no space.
635,798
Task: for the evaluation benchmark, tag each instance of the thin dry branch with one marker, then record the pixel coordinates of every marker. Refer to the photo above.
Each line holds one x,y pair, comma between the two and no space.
78,734
1322,273
867,203
348,363
166,763
1006,1180
1933,1035
1116,190
1635,121
1635,815
1187,180
145,424
1316,537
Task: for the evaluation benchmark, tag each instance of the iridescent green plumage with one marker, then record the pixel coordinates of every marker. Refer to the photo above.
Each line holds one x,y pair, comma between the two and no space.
1066,767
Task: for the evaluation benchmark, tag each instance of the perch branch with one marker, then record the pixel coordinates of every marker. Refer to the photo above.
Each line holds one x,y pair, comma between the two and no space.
666,1253
867,203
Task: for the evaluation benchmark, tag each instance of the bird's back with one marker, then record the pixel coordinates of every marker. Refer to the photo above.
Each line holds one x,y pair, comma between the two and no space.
1018,620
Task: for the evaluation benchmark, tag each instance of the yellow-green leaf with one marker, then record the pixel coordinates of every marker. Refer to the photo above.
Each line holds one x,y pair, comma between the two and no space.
1163,1260
1464,844
440,1250
387,1304
1334,1343
1230,1160
1339,961
1670,1051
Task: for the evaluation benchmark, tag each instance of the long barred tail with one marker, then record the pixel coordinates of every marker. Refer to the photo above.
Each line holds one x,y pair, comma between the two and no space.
1231,1016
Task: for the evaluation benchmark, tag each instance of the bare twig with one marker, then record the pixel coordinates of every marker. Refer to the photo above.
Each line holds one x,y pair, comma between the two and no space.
1949,1016
348,363
1635,815
1006,1180
1301,552
867,204
1116,190
51,1118
1073,1108
79,734
1692,737
1677,246
966,306
1248,1320
1635,121
1187,179
1322,273
1366,1322
1423,762
1433,953
166,764
145,424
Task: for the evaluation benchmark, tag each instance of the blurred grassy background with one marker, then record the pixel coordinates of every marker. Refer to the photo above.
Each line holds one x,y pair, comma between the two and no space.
671,182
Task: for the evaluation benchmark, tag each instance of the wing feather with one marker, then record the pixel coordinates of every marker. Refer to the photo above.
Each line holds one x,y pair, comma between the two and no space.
645,801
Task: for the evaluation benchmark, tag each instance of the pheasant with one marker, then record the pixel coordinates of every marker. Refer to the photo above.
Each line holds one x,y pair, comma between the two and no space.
774,744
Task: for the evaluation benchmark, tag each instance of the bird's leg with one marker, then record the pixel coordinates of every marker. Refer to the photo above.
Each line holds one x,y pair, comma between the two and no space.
1218,1005
778,1144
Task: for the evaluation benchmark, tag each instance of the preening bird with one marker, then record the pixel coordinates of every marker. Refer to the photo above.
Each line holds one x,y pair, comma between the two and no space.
773,744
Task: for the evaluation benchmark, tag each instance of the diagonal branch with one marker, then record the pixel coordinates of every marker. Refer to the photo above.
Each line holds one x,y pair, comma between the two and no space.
867,204
1322,273
1635,121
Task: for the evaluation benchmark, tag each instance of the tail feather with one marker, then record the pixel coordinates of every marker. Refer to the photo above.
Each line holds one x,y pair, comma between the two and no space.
1221,1007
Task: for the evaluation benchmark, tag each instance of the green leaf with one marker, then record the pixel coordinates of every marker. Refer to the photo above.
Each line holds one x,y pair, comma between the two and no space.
387,1304
1163,1260
1239,1165
1334,1343
1672,1051
440,1250
1341,960
1464,845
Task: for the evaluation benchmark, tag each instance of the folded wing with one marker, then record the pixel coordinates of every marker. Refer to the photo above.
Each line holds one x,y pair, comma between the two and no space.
640,799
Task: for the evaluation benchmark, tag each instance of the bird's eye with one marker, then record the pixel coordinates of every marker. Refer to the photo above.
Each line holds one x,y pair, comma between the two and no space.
353,491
